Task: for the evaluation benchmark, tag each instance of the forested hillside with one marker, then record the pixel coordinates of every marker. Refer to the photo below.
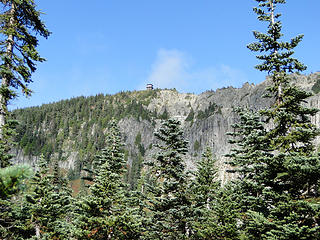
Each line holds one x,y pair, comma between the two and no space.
78,125
72,131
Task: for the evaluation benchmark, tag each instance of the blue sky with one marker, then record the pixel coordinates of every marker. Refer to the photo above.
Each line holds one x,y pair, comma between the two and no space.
101,46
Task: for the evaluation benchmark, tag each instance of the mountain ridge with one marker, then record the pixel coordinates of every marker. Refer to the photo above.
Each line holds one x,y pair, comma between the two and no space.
73,130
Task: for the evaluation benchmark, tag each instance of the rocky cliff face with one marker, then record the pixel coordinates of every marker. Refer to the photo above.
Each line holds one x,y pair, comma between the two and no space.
205,118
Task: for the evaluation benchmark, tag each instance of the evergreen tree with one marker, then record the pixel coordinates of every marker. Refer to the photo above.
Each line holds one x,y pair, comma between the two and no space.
204,189
8,132
249,158
170,202
105,212
291,137
214,212
12,182
278,163
19,24
49,204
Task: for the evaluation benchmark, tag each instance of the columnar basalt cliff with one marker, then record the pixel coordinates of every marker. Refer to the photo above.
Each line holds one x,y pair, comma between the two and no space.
74,130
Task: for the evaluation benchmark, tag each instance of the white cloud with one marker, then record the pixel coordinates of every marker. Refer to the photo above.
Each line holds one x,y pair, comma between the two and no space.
175,69
169,70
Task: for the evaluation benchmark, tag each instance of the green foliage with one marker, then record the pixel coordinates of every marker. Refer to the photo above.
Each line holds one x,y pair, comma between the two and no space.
7,141
190,116
316,87
252,145
164,115
135,171
277,165
276,55
43,211
105,212
20,23
214,209
138,139
196,146
78,123
210,110
12,179
140,146
225,215
275,195
203,190
49,204
169,202
145,97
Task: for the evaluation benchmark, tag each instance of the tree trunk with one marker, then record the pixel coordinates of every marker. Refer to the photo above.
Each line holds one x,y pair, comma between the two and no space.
37,228
277,76
5,79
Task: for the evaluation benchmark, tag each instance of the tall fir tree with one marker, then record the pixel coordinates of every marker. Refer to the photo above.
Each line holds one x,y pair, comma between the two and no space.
105,212
214,215
249,158
277,159
292,134
170,202
203,188
19,24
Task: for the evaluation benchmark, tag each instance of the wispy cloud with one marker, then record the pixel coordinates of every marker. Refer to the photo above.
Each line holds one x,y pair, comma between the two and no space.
176,69
169,69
